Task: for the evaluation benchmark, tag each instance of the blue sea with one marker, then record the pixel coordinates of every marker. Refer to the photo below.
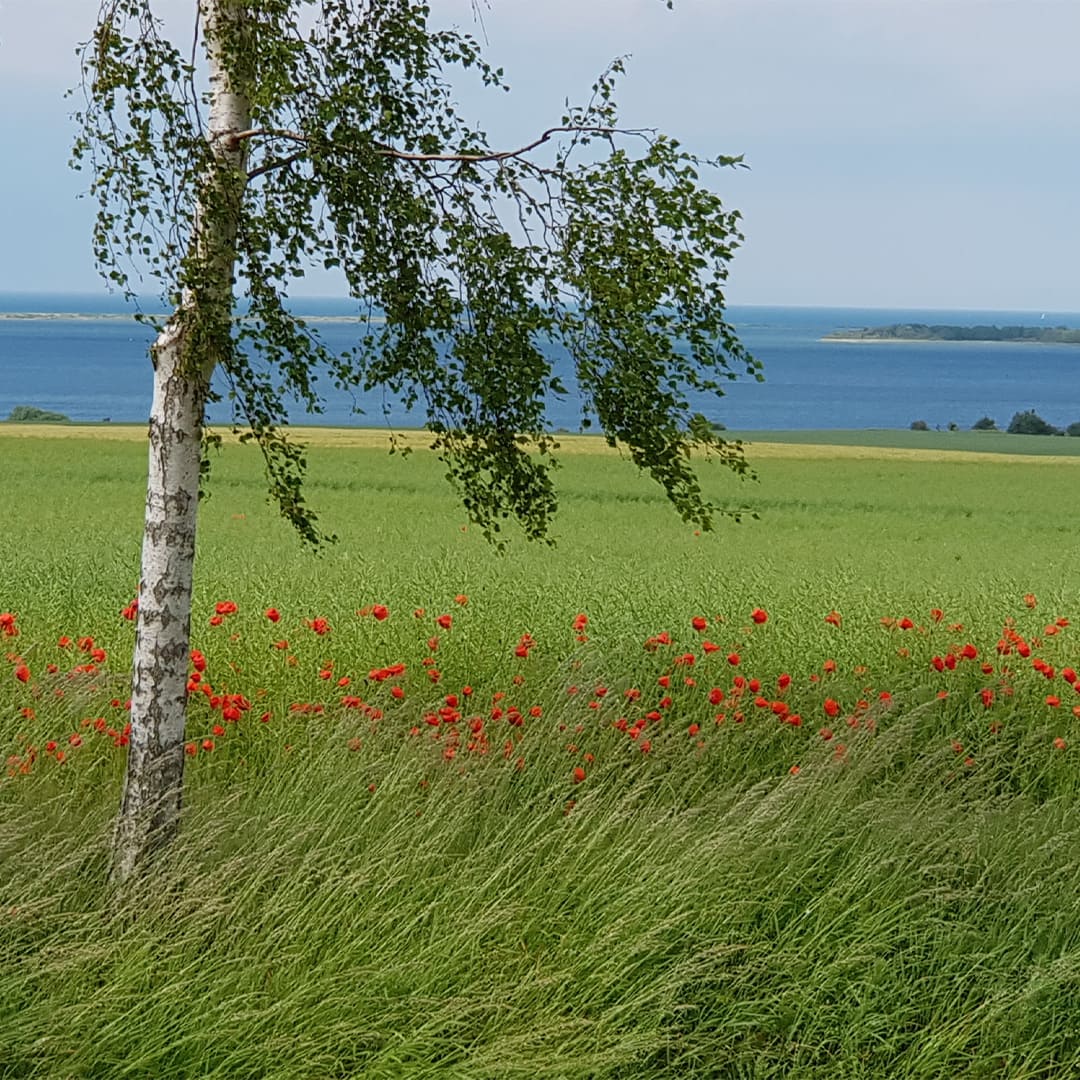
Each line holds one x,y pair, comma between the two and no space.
93,368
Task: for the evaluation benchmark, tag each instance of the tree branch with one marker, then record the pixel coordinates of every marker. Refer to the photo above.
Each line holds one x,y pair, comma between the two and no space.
270,166
235,138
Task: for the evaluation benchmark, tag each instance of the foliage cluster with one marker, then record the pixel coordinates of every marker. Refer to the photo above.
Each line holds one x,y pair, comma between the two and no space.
468,260
1030,422
31,414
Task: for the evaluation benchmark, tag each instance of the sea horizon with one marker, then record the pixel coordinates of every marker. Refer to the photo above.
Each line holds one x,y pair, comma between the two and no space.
94,367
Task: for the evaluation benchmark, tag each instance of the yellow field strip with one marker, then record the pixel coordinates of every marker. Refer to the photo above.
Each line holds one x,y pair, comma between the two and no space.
379,439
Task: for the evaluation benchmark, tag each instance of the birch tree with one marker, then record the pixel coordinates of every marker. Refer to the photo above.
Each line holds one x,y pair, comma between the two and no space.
281,135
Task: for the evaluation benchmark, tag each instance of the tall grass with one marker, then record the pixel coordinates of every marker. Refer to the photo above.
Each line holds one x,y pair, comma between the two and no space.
346,901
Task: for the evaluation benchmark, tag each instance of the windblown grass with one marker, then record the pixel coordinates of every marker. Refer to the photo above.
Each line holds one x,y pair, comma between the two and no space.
347,900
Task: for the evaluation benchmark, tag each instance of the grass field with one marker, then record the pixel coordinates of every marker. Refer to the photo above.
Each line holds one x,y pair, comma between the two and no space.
796,798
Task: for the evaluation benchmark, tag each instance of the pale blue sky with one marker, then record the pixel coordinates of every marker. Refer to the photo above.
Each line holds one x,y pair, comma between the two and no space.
903,153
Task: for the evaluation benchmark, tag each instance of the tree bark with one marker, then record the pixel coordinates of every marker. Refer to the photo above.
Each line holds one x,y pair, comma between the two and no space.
150,809
184,355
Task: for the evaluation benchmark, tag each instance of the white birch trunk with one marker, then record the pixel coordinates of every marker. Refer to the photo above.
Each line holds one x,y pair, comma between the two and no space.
153,783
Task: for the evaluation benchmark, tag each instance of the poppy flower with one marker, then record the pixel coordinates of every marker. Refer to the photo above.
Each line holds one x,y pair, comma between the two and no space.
831,707
833,619
273,614
22,673
698,623
380,611
759,615
734,659
444,621
579,774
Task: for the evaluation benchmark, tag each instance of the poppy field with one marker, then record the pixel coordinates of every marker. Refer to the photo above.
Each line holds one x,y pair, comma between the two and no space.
794,798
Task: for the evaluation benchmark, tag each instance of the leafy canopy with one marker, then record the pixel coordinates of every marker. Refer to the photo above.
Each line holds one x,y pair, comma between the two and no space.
468,262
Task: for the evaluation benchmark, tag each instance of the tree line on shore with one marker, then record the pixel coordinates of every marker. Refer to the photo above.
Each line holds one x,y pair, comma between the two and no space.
1028,422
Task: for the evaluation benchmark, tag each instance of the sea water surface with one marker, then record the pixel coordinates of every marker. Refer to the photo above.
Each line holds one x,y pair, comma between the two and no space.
95,367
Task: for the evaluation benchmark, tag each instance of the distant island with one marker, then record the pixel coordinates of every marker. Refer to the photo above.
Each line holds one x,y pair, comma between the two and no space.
924,332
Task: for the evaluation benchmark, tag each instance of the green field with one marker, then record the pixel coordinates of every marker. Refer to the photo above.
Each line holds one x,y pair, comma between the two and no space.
562,863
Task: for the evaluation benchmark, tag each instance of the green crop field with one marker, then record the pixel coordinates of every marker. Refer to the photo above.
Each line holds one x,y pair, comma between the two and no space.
795,798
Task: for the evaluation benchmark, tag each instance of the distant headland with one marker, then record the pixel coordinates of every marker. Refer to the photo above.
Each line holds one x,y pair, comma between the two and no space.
924,332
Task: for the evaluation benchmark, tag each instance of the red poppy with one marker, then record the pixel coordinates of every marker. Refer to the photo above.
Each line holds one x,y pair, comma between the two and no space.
380,611
579,774
698,623
734,659
444,621
22,673
759,615
273,614
833,619
831,707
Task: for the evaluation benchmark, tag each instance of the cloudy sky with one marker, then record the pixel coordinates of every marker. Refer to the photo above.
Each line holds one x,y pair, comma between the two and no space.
903,153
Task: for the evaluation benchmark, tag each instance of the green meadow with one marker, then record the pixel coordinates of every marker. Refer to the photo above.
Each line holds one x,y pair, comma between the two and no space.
793,798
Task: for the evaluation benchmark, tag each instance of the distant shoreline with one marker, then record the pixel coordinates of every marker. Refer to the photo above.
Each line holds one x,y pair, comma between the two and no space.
982,333
937,341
